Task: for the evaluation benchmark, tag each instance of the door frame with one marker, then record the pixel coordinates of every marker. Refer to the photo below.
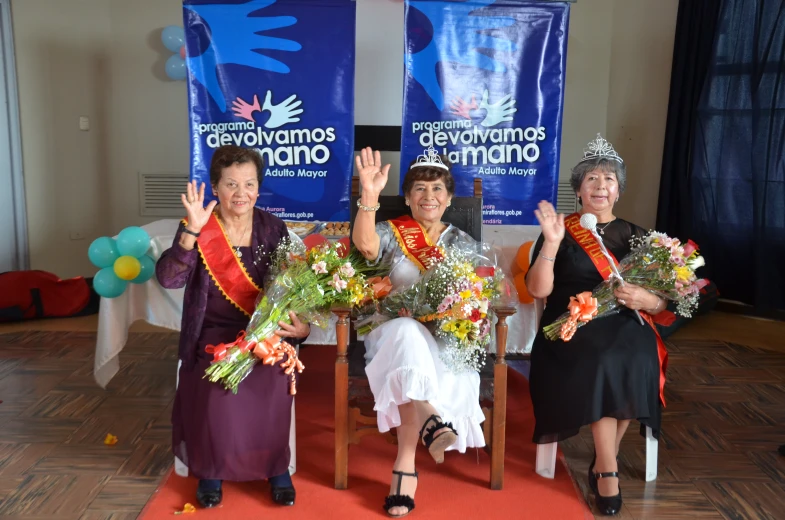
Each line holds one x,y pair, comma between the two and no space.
8,76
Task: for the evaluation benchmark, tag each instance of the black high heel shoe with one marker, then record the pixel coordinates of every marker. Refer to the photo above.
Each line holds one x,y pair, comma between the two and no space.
608,505
438,443
399,500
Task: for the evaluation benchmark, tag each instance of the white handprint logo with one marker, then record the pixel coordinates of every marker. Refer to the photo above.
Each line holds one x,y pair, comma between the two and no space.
499,112
282,113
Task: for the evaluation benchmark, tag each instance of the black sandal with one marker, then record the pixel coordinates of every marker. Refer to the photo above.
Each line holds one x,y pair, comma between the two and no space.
608,505
399,500
436,445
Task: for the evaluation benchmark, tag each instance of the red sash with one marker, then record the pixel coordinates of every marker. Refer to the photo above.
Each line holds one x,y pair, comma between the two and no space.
415,243
225,268
590,245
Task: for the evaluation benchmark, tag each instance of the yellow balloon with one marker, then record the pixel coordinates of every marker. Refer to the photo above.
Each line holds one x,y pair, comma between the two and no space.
127,267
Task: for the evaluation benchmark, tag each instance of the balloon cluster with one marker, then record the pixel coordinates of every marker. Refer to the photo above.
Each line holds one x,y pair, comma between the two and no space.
173,38
121,260
519,269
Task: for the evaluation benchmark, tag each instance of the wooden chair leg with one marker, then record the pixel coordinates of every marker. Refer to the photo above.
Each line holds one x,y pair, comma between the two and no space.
499,428
342,401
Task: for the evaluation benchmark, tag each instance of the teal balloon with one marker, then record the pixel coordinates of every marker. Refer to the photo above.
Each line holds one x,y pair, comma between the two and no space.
148,269
133,241
173,38
107,284
175,67
103,252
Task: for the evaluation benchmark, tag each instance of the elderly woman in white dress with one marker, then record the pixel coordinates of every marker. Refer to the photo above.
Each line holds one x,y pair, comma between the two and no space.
413,389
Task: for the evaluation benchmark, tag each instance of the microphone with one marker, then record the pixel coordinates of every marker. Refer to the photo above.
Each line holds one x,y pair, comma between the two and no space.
589,223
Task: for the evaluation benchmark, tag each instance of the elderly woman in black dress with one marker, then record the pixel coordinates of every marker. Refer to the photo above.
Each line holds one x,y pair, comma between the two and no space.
609,373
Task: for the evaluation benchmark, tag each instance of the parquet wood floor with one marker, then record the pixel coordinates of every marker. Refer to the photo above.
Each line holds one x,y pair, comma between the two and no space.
717,456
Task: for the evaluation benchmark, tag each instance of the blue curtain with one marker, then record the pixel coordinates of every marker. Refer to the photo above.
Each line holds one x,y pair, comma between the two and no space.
737,174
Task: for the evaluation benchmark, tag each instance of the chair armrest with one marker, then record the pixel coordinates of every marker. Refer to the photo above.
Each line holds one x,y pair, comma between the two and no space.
342,330
502,313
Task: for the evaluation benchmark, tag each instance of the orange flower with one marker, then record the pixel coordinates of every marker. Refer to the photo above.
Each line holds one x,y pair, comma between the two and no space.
110,440
381,286
187,508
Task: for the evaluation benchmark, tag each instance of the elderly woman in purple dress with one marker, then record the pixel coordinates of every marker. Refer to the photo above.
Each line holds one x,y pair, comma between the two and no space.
221,255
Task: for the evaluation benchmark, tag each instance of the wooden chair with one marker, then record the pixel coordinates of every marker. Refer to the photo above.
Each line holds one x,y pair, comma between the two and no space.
354,414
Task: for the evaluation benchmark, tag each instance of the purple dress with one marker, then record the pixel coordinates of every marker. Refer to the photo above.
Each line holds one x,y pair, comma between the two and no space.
217,434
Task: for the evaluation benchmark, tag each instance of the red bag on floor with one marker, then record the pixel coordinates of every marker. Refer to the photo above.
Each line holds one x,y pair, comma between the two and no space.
28,295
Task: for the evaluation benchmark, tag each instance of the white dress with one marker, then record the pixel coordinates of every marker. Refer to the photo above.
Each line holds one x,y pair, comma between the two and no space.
403,362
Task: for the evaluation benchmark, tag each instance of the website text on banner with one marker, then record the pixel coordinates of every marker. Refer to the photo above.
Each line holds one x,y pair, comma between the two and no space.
277,76
485,85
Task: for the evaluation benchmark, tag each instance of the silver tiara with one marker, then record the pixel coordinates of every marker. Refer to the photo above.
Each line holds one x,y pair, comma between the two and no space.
600,149
430,158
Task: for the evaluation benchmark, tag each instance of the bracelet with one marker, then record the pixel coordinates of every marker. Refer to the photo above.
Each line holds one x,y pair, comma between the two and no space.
548,258
368,208
193,233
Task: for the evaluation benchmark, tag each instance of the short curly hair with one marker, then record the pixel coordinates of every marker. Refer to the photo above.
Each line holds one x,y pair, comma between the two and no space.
429,174
226,156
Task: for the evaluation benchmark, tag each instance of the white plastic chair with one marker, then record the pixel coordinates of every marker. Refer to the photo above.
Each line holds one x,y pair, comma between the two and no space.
545,464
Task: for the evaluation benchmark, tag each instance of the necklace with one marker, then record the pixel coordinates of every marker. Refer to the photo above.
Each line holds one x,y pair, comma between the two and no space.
237,251
602,230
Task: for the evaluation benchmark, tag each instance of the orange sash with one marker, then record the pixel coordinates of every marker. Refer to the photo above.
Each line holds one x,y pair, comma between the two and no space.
415,243
591,247
225,268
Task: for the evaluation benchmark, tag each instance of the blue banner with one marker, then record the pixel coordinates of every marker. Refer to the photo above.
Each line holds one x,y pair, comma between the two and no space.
276,76
485,86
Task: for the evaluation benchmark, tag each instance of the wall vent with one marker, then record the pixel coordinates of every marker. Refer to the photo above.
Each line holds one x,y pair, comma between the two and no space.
159,194
566,201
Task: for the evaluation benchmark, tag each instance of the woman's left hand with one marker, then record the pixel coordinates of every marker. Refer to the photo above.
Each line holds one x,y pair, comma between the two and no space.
296,329
635,297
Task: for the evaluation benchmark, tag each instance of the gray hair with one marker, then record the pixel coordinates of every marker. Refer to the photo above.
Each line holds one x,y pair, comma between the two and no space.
604,165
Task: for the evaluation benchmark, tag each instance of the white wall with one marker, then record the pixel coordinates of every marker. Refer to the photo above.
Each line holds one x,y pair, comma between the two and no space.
103,59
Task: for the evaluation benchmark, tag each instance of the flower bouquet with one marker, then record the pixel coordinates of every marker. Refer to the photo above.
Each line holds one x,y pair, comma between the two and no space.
455,295
657,263
304,282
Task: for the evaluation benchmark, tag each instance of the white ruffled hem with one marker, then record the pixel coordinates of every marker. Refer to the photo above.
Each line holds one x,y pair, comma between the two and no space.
469,433
410,384
401,386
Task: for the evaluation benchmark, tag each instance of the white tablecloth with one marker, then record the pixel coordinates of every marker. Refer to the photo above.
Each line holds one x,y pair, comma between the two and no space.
163,307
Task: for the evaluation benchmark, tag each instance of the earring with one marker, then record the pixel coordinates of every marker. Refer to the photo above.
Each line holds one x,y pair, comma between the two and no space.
617,199
449,204
407,202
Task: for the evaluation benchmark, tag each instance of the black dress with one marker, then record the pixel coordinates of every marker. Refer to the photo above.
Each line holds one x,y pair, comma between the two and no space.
610,368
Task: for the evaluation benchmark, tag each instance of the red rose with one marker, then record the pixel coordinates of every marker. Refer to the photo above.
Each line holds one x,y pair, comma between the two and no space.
690,247
475,316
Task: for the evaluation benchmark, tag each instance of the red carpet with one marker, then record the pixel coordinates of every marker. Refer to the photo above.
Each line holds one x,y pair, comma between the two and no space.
456,489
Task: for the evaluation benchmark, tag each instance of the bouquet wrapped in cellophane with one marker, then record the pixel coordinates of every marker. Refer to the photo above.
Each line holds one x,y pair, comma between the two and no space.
307,283
657,263
456,297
